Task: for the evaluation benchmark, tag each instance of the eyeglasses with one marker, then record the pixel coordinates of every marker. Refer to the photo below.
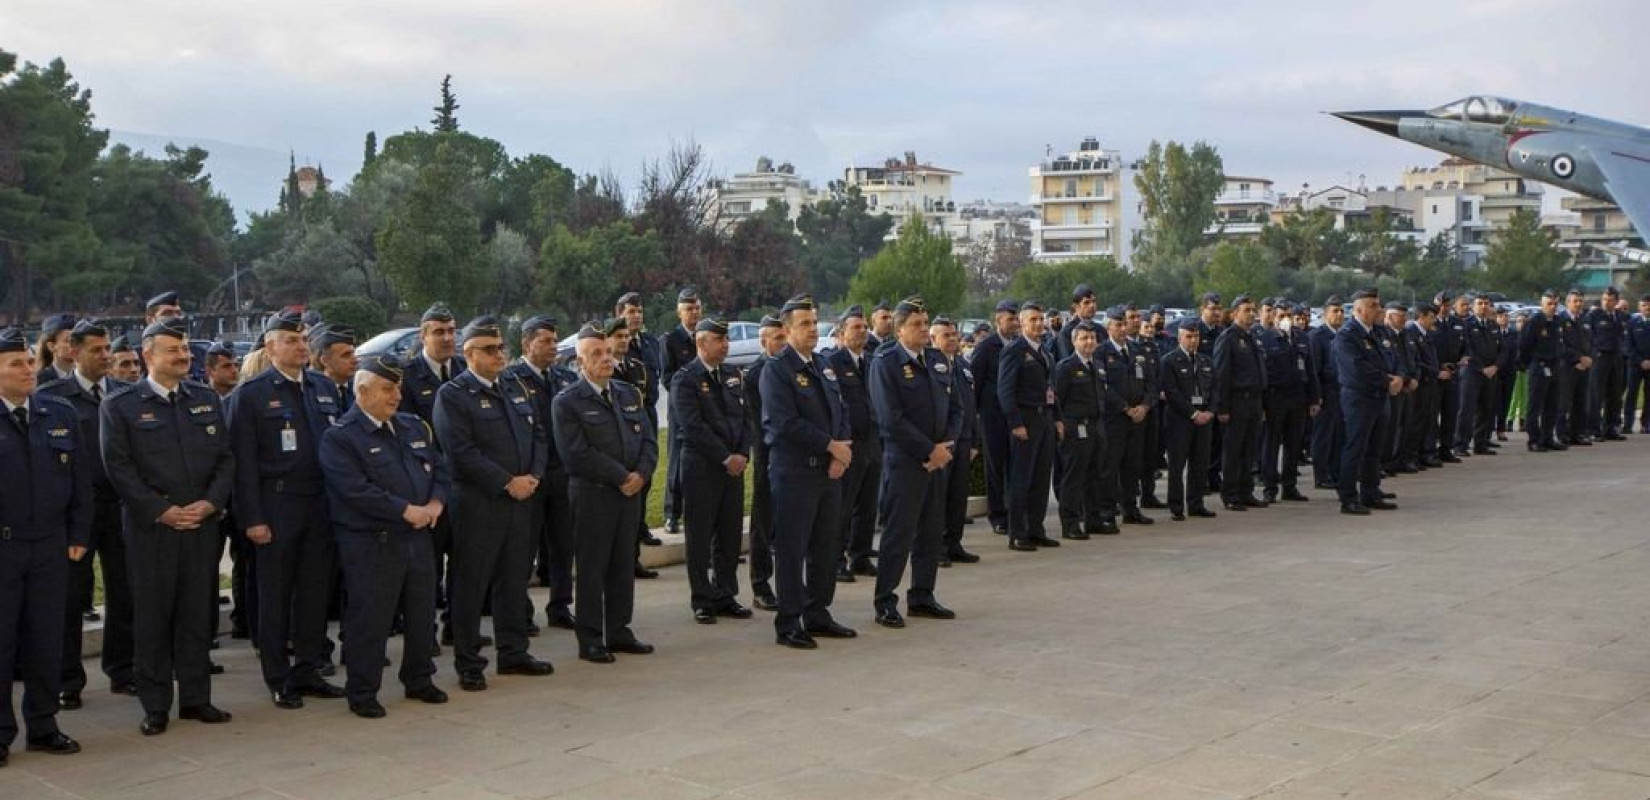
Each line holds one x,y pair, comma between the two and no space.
491,349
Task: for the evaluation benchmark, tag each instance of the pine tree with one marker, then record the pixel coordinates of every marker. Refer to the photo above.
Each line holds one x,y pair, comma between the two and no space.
445,120
369,151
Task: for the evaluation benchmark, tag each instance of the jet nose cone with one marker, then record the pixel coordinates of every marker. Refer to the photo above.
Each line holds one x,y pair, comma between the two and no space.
1380,121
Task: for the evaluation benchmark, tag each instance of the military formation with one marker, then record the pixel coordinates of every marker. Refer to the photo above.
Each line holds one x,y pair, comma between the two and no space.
414,496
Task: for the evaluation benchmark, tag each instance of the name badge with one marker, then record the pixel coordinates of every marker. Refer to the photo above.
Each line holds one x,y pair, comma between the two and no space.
1082,431
1546,372
1139,372
1300,364
1197,399
289,440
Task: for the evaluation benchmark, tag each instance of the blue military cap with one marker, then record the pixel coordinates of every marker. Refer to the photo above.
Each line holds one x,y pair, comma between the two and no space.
538,322
1332,300
1241,299
12,340
1117,312
1157,308
120,345
855,310
612,325
163,299
85,328
383,366
221,349
1366,293
687,295
801,302
771,321
167,326
55,324
628,299
329,335
912,305
1082,291
1424,307
437,312
711,325
483,327
1031,305
1211,299
882,305
942,320
312,318
284,321
1396,305
594,330
1268,301
1008,307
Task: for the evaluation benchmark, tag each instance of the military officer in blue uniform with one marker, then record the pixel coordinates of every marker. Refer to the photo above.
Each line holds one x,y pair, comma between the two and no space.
1366,383
1541,345
677,350
772,334
1211,322
1025,395
85,388
126,367
168,453
1416,450
422,374
1449,341
487,429
608,443
1188,380
708,403
912,387
1575,377
46,514
1084,307
1080,393
387,484
1638,365
942,331
806,428
647,358
1401,407
1125,416
1328,433
629,367
56,356
543,378
1240,380
1607,326
1291,401
861,486
1476,376
1143,342
276,419
994,440
333,349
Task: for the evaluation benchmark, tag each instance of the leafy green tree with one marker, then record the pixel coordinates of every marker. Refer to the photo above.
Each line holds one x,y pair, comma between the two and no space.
430,248
1436,267
1178,187
535,192
1381,252
1051,282
838,234
1304,239
578,274
162,223
764,251
1239,268
48,147
510,260
446,118
919,262
306,266
1522,259
360,314
369,151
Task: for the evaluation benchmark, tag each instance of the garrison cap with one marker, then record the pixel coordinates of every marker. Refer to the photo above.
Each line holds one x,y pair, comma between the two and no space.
482,327
438,312
1031,305
687,295
220,349
1211,298
162,299
120,345
1424,307
538,322
613,325
801,302
12,340
882,305
1398,306
1082,292
1366,293
593,330
383,366
329,335
285,322
1332,300
628,299
167,326
710,325
1008,307
912,305
771,321
1117,312
312,318
942,320
55,324
1241,299
855,310
87,327
1157,308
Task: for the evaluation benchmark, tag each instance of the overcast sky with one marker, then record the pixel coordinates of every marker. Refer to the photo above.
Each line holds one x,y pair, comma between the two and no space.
980,87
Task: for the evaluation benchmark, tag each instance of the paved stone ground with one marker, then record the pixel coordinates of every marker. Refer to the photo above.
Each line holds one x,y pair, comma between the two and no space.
1487,641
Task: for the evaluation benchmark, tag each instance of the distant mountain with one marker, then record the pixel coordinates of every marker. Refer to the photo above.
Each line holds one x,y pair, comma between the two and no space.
249,176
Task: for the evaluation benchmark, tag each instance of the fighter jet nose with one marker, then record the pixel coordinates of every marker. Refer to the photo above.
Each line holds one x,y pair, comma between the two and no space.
1380,121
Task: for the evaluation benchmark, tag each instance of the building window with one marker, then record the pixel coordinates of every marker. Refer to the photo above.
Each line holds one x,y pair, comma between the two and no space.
1071,187
1598,223
1071,216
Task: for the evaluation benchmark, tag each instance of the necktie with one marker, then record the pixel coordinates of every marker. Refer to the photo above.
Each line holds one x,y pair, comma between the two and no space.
21,414
607,397
97,392
444,373
545,374
172,397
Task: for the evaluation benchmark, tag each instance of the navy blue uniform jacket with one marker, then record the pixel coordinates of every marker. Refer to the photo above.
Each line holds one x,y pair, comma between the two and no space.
159,456
601,444
48,486
373,475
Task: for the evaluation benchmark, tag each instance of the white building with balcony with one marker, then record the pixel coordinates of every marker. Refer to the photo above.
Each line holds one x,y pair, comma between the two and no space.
1243,207
1079,205
903,187
747,194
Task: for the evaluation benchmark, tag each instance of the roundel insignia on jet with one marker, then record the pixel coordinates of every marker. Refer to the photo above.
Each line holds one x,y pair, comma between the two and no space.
1564,166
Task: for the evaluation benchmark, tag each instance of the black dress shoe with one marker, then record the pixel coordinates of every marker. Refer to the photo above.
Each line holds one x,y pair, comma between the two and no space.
1044,541
632,647
367,709
153,724
673,525
596,654
1449,458
704,616
890,618
1536,448
1254,502
533,629
931,611
1022,545
1429,463
1137,518
287,699
1485,452
1355,508
320,689
844,574
129,688
58,744
1389,495
799,640
944,562
69,701
1462,453
531,666
963,557
1000,530
472,681
765,601
1325,485
1500,436
1234,505
327,670
206,713
643,573
5,755
1382,505
650,540
1075,534
217,669
1200,511
832,630
1272,497
1177,515
734,610
561,618
427,694
1108,527
1294,495
1151,501
863,566
1557,446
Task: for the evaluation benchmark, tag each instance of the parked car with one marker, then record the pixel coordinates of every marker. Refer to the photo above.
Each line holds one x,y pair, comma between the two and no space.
396,343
